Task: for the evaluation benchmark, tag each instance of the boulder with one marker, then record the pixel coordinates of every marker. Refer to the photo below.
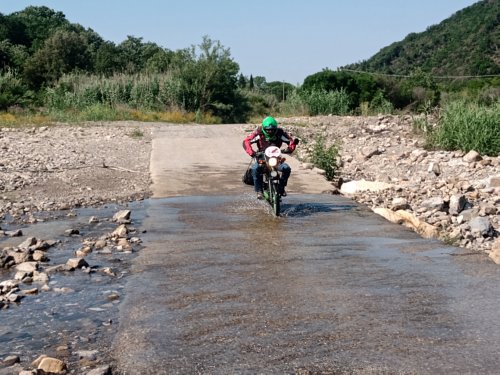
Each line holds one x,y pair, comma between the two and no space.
353,187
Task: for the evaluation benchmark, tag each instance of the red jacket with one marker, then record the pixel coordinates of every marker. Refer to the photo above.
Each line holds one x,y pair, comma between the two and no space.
258,138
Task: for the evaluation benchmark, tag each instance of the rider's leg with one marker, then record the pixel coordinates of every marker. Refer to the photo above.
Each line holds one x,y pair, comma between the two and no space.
257,171
285,170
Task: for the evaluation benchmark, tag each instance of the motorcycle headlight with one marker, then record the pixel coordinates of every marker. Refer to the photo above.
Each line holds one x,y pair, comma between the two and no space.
273,162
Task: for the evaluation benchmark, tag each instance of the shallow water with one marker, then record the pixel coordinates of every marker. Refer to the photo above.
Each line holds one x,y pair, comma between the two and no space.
222,286
81,309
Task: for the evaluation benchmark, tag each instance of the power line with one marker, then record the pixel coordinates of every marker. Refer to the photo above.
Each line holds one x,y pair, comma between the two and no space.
408,76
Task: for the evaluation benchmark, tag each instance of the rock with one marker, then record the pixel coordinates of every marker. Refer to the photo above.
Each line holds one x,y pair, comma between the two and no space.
434,168
102,370
71,232
38,360
39,256
93,220
368,152
457,204
434,203
26,244
494,182
353,187
13,297
31,291
87,354
121,231
20,275
52,366
124,245
10,360
108,271
40,277
74,263
28,267
122,216
399,204
495,251
472,156
409,220
480,226
13,233
100,244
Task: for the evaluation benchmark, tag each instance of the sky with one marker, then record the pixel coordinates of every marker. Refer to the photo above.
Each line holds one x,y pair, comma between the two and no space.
281,40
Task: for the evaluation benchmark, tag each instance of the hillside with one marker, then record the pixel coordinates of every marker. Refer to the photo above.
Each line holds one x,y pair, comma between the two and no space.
467,43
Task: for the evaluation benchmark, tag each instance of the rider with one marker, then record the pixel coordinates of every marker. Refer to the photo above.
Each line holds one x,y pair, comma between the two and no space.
269,134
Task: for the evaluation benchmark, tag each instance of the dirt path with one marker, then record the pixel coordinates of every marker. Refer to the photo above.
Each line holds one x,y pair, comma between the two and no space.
209,159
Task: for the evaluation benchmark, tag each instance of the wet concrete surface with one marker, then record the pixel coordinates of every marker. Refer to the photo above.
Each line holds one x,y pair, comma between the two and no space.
223,287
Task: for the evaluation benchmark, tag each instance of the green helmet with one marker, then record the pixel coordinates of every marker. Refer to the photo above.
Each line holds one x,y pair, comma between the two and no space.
269,128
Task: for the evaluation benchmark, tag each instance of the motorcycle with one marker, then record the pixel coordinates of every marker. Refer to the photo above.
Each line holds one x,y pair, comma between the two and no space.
271,158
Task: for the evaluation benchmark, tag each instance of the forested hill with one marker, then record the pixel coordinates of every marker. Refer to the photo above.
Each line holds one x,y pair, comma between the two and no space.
467,43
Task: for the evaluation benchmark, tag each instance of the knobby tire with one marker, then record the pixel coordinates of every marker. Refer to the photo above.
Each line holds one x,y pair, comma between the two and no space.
274,198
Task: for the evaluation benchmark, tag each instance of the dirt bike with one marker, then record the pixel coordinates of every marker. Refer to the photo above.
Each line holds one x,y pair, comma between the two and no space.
271,158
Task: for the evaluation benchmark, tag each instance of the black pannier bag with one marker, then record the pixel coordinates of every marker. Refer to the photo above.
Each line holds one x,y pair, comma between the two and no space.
247,177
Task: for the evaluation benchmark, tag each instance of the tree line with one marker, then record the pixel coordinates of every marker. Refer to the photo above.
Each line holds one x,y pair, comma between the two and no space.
48,62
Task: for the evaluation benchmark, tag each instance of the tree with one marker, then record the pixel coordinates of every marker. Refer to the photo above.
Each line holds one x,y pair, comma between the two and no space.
208,77
39,24
107,59
63,52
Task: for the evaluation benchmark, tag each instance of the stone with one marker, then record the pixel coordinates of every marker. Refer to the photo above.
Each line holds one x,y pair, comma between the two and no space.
14,233
74,263
457,204
122,216
434,203
100,244
399,204
52,366
480,226
28,267
353,187
472,156
102,370
10,360
30,241
495,251
409,220
121,231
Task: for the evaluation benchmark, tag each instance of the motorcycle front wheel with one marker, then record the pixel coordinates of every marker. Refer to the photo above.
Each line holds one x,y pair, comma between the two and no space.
274,198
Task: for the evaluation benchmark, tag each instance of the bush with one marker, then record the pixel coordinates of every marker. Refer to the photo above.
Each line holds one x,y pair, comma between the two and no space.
325,157
12,90
469,126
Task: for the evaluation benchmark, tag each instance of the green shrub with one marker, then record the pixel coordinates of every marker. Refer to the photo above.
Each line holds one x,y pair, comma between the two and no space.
12,91
325,157
469,126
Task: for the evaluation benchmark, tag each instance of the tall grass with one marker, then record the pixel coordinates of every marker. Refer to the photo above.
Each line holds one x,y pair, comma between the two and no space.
469,126
316,102
141,97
